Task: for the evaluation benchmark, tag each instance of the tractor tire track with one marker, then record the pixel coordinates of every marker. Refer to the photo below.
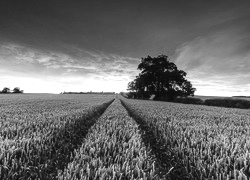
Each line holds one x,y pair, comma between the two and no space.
43,159
166,162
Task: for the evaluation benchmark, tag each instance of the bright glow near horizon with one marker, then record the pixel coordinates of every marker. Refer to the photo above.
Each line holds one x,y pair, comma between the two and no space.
58,85
78,84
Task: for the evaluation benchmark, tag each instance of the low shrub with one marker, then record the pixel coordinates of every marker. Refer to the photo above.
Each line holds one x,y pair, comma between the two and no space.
188,100
227,102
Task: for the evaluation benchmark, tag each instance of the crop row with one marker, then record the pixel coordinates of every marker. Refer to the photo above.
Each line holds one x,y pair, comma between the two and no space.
20,114
37,138
208,142
113,149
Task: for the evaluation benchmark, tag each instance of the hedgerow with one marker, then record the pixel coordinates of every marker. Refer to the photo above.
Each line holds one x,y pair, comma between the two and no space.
188,100
231,103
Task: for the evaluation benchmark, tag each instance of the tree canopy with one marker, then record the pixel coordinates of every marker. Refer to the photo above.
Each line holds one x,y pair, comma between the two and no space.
15,90
161,78
6,90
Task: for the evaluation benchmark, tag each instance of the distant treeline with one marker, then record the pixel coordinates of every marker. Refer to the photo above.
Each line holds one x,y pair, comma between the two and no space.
88,92
220,102
242,96
8,90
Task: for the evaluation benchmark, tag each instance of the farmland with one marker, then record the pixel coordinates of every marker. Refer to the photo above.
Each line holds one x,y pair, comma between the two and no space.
113,149
105,137
39,132
199,142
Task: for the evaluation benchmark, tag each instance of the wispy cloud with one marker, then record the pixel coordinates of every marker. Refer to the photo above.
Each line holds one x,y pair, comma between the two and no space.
18,61
219,61
48,62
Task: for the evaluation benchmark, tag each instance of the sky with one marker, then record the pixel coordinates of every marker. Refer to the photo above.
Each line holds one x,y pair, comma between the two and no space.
51,46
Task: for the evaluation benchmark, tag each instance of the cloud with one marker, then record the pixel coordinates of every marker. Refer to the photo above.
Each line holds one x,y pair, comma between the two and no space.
221,60
21,62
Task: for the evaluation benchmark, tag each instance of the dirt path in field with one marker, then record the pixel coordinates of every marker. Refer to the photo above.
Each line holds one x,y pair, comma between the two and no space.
165,162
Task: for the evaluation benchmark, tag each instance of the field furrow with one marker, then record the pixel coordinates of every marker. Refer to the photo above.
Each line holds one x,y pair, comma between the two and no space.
113,149
37,148
154,138
204,142
47,137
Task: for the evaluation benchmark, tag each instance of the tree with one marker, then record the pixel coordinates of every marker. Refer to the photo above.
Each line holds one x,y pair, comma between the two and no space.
17,90
6,90
137,89
161,78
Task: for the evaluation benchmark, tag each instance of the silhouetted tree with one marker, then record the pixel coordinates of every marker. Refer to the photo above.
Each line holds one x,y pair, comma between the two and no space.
17,90
6,90
162,78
